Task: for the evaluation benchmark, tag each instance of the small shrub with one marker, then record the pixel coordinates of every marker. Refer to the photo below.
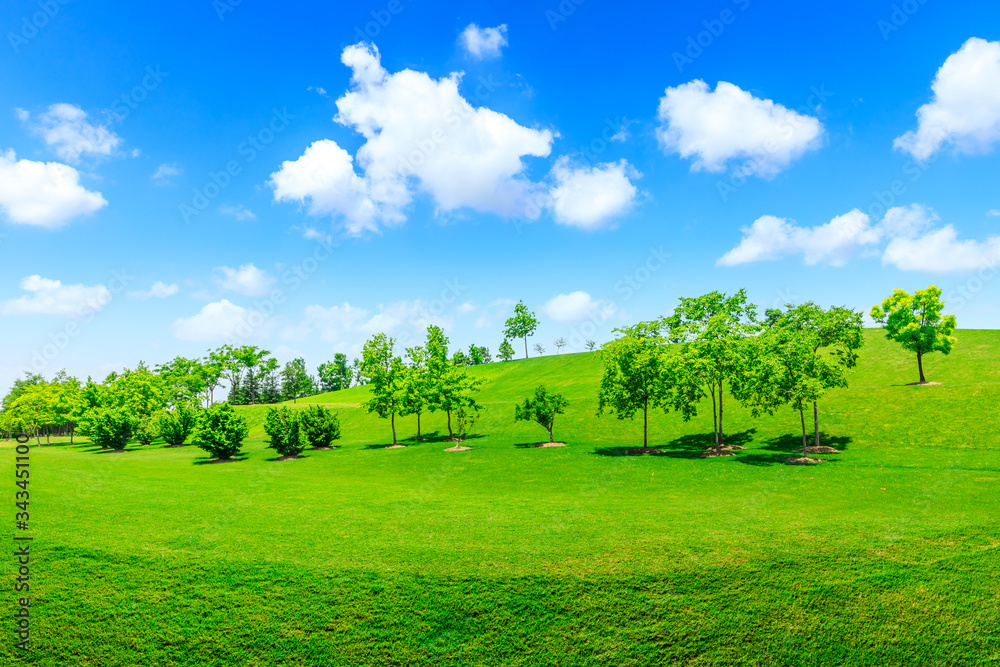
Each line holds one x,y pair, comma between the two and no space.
145,432
465,418
319,426
282,427
220,431
110,428
176,426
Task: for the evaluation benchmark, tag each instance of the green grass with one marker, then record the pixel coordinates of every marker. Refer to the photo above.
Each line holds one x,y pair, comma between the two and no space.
507,555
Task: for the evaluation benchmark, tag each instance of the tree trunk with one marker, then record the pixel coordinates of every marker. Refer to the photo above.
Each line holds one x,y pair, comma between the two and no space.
450,434
920,366
715,420
418,427
805,442
645,422
551,439
722,433
48,435
525,347
72,431
392,418
816,424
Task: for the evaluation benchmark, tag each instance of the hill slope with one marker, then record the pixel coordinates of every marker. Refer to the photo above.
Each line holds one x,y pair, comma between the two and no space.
508,554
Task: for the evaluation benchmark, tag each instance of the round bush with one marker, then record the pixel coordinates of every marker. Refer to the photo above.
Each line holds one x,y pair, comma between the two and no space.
282,427
319,426
220,431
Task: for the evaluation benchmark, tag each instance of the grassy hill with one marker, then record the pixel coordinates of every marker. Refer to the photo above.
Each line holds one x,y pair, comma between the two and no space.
508,554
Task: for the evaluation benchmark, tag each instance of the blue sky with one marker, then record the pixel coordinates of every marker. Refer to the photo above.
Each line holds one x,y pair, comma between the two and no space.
396,163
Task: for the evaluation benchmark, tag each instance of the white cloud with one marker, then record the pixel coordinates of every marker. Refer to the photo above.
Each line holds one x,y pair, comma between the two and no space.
965,110
247,280
65,129
51,297
324,175
484,42
239,212
940,251
44,194
164,172
159,290
714,128
319,90
911,243
421,136
591,197
770,237
218,321
346,325
993,212
575,307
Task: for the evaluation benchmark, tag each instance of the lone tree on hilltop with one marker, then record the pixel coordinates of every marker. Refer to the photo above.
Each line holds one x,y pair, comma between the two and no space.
541,409
521,325
915,322
506,350
560,344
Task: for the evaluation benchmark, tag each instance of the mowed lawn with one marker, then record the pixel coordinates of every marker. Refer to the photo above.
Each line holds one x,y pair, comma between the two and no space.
887,554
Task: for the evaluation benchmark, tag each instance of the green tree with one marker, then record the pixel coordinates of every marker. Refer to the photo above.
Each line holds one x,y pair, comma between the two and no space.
295,380
466,417
385,373
111,427
319,426
506,351
479,355
632,378
541,409
805,352
560,344
335,375
915,321
220,431
712,330
521,325
590,345
33,408
175,426
539,349
416,385
283,432
450,387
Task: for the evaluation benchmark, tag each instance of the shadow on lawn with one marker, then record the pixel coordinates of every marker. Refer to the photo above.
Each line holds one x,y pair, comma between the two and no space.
778,450
685,447
211,461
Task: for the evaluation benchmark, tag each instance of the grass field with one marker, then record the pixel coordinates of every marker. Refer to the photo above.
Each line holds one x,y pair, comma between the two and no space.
510,555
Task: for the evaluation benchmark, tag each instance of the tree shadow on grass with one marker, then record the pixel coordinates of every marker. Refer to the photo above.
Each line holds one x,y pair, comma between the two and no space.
211,461
695,445
778,450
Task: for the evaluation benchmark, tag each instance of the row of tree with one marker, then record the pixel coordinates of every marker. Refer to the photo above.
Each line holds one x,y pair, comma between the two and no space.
715,345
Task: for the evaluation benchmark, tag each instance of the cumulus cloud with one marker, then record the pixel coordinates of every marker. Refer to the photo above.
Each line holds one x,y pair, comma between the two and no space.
247,280
44,194
218,321
591,197
484,42
159,290
239,212
575,307
421,136
964,112
770,237
65,128
993,212
51,297
911,242
715,128
941,251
